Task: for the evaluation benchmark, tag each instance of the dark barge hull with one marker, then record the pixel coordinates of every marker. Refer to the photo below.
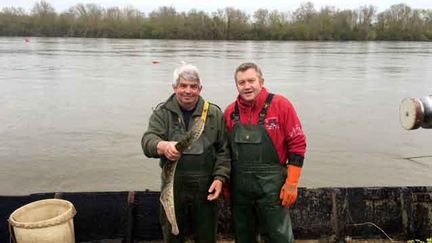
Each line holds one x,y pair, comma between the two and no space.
320,213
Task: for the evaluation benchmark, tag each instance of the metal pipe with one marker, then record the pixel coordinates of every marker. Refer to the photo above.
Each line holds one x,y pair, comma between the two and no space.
415,112
130,218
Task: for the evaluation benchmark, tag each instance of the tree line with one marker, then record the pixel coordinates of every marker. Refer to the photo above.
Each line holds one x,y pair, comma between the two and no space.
398,22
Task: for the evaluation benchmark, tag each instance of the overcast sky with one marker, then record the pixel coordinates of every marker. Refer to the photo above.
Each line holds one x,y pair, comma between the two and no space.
211,5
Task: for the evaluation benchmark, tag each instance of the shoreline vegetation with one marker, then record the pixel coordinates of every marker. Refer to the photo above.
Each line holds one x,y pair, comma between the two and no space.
399,22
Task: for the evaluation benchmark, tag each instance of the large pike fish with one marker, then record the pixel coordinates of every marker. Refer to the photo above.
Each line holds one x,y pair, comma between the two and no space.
167,193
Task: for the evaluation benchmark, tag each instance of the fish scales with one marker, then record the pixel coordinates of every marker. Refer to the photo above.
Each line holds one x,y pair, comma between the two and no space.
167,193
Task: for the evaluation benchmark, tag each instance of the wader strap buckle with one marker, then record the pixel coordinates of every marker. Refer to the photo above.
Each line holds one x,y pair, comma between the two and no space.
235,116
263,112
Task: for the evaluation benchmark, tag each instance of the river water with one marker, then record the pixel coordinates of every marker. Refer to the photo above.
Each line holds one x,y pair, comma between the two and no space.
72,110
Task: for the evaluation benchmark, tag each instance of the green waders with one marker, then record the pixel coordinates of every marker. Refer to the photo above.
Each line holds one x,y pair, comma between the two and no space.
256,180
192,180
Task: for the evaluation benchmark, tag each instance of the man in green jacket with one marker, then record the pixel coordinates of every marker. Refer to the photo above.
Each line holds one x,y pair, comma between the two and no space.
201,168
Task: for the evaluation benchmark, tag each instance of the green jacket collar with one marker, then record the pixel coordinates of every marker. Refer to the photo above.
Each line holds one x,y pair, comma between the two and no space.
173,105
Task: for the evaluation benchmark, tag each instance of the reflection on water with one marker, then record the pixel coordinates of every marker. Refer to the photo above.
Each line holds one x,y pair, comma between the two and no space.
73,110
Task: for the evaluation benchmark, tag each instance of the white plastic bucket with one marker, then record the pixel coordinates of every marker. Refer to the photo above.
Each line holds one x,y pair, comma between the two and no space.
44,221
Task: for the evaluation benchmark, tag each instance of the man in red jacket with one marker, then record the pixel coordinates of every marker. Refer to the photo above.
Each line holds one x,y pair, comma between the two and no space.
268,147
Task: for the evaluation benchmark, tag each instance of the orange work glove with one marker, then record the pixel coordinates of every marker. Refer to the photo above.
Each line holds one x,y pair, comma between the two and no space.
226,192
288,193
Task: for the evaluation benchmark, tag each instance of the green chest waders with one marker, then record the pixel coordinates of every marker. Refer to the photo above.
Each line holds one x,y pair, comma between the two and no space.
192,180
256,180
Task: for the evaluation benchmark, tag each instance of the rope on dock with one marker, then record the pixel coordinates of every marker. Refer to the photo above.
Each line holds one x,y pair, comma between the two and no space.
361,224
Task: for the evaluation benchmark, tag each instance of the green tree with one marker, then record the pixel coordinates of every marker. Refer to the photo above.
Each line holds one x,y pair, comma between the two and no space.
14,22
167,23
364,27
399,22
344,24
394,23
237,24
43,19
278,26
260,28
303,21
